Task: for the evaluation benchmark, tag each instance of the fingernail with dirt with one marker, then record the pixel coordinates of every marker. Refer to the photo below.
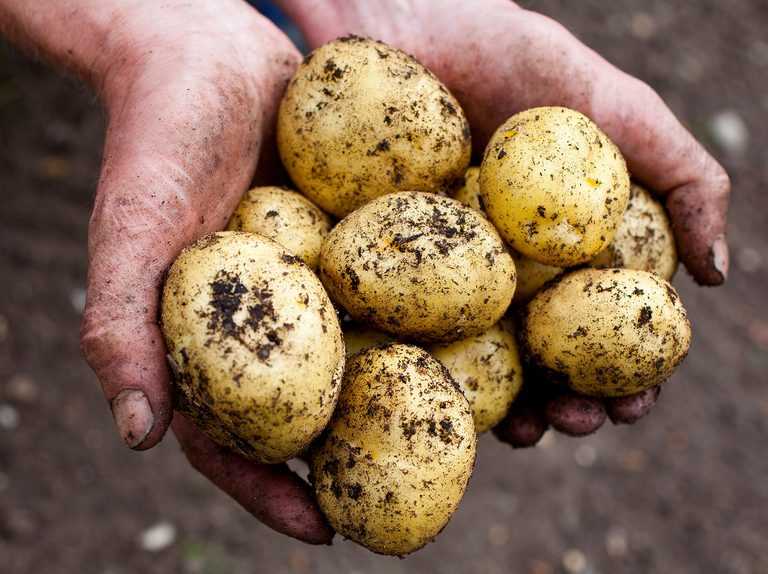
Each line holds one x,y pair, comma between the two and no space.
720,256
133,416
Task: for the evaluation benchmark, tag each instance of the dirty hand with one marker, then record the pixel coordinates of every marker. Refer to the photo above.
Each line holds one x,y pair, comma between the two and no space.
499,59
191,91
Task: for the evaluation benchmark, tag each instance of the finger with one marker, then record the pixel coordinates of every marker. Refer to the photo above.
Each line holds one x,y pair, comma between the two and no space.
177,157
628,410
575,415
272,493
523,426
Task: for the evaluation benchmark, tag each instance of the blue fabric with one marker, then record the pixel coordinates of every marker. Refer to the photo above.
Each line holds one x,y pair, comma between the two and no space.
272,12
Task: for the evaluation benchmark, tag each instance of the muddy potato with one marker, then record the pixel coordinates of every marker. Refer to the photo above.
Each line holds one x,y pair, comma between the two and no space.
254,343
419,266
487,369
286,217
394,463
607,332
554,185
644,239
361,119
469,192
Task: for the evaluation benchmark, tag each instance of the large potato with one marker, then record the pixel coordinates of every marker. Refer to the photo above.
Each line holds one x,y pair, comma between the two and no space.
286,217
554,185
420,266
487,369
255,345
361,119
393,466
644,239
607,332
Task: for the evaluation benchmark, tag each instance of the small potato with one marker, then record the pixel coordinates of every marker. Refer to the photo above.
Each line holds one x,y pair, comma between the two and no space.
607,332
359,338
644,239
394,463
419,266
286,217
531,277
469,193
254,343
488,370
554,185
361,119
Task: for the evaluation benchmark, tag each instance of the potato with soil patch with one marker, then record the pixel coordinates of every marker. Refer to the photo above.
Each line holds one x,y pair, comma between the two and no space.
419,266
554,185
487,369
396,458
644,239
607,332
286,217
361,119
254,343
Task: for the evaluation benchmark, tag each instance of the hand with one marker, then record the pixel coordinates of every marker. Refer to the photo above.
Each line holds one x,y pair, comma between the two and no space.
499,59
191,91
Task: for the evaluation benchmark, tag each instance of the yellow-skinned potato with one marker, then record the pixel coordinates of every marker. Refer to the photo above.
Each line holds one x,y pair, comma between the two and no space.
554,185
394,463
487,368
469,192
419,266
254,343
607,332
531,277
286,217
644,239
359,338
361,119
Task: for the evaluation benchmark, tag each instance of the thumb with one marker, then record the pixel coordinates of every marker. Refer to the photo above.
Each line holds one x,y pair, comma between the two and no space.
175,165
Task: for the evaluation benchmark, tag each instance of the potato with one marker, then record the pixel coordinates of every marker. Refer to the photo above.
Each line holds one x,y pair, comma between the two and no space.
554,185
531,277
488,370
644,239
359,338
361,119
419,266
469,192
286,217
393,466
607,332
254,343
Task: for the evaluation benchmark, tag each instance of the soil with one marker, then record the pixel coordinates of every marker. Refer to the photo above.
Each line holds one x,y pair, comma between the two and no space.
683,491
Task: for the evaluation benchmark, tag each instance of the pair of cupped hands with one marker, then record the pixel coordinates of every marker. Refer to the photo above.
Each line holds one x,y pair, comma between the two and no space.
192,89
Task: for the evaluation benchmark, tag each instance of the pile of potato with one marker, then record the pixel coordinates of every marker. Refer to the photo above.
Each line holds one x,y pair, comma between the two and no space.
430,274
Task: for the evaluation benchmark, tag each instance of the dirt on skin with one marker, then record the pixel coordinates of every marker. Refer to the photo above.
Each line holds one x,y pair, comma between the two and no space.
684,491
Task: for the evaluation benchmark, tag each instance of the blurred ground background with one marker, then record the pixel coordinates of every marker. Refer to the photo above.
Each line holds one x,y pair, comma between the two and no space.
685,491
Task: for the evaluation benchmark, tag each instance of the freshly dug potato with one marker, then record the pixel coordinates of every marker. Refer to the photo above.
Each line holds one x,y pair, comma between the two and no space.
254,343
394,463
607,332
488,370
286,217
469,193
419,266
554,185
359,338
531,277
361,119
644,239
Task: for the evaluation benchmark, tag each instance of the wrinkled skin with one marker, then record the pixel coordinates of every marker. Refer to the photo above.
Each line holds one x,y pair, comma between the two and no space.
191,90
